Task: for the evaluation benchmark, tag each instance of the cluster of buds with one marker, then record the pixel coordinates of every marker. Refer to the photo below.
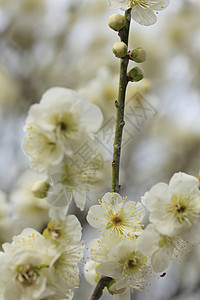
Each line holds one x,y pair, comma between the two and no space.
120,49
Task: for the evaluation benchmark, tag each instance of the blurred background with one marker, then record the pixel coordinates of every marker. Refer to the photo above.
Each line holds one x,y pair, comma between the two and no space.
46,43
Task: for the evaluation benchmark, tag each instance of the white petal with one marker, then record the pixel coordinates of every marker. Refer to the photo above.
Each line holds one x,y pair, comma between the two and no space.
160,260
80,197
143,16
59,95
96,217
118,4
58,196
159,4
148,241
112,198
90,115
110,268
181,182
158,195
123,296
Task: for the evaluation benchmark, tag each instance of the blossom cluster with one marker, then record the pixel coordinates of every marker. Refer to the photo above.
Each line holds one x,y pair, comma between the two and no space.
59,142
130,254
36,266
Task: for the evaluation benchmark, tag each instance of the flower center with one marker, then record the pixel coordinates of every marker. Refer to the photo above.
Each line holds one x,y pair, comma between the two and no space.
132,263
117,221
27,275
62,126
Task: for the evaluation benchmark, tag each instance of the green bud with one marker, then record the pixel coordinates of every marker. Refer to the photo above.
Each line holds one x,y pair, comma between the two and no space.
120,49
135,74
40,189
138,55
116,22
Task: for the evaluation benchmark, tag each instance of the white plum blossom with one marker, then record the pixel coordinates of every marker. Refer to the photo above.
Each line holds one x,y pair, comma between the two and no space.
127,265
175,208
58,125
162,248
21,275
115,216
24,263
142,10
33,267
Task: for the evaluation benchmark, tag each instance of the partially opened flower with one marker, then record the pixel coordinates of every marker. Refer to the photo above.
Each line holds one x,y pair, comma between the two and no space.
117,217
142,10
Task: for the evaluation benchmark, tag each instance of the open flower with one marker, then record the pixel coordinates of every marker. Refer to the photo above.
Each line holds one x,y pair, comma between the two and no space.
142,10
127,265
117,217
162,248
57,125
175,208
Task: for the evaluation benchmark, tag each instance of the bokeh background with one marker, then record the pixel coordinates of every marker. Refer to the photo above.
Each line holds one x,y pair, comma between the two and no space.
46,43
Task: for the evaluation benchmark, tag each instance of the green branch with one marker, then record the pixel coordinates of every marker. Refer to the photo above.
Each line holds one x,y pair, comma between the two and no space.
120,103
98,290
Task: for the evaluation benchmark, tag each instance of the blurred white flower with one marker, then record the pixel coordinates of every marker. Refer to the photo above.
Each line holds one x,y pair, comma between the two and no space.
117,217
142,10
59,122
175,208
127,265
30,210
7,225
162,248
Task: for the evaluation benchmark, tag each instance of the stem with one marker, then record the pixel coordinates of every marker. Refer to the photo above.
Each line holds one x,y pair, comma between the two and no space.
98,290
123,81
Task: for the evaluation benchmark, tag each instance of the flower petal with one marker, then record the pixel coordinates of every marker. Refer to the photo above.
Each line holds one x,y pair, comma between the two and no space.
159,4
143,16
96,217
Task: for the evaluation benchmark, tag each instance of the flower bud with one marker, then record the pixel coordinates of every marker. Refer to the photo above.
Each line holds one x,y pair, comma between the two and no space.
138,55
116,22
40,189
135,74
120,49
